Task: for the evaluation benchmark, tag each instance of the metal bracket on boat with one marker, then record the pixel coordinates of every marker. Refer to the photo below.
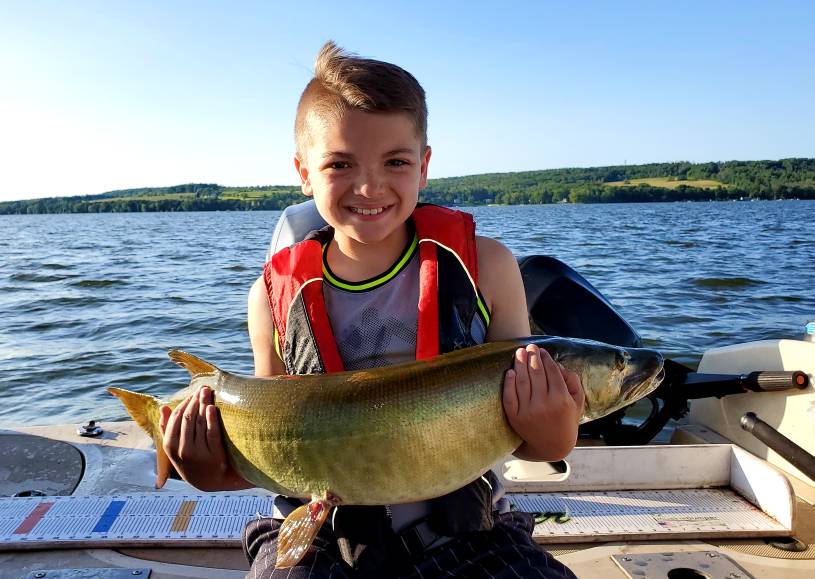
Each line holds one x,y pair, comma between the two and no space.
680,564
90,429
92,573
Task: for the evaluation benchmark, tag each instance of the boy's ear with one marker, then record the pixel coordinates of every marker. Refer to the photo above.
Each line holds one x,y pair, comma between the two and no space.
302,171
425,163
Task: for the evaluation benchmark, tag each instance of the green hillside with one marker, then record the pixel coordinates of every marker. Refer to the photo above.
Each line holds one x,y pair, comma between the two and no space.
669,183
782,179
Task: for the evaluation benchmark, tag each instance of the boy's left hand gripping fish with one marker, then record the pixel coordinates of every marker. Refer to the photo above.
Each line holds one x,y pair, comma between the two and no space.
394,434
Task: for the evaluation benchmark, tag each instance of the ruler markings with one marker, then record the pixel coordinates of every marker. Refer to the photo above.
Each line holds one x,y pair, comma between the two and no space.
65,509
108,517
120,519
33,518
182,517
16,509
6,527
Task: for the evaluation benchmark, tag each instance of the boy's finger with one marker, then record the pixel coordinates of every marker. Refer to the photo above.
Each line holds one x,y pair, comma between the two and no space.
188,423
534,357
214,431
537,375
554,378
201,426
510,394
203,401
164,417
172,435
547,376
522,387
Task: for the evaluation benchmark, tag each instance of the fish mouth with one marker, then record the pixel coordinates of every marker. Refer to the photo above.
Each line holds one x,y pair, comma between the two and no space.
646,375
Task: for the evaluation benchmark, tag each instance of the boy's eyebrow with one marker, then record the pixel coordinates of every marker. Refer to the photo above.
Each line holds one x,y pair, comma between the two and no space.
399,151
328,154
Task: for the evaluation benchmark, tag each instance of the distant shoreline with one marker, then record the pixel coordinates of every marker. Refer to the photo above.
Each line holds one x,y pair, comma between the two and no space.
452,206
657,182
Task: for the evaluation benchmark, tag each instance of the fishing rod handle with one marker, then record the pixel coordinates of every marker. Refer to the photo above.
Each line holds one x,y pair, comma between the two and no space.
783,446
772,381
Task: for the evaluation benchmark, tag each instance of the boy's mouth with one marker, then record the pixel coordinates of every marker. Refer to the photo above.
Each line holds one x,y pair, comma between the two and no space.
367,210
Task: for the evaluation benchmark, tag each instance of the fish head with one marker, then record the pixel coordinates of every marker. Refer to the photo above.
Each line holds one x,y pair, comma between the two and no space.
613,377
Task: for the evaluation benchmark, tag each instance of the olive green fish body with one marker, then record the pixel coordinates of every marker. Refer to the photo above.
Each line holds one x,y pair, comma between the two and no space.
400,434
393,434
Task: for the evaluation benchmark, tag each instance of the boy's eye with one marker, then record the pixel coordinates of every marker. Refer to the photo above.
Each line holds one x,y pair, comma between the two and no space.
338,165
397,162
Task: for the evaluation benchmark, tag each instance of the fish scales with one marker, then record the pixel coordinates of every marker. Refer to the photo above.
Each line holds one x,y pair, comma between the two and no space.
392,434
367,436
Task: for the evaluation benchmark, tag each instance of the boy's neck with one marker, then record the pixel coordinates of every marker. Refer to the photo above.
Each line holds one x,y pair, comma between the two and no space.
354,261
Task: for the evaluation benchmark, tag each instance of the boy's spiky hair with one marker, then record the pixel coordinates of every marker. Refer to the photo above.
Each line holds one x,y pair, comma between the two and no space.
344,81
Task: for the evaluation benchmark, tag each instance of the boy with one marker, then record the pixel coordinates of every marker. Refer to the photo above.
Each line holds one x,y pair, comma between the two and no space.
387,282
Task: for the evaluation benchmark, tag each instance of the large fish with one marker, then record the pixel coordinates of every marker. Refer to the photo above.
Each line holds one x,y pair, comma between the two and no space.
388,435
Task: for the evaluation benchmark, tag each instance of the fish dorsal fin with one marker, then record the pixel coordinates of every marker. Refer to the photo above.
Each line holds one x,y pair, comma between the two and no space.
194,365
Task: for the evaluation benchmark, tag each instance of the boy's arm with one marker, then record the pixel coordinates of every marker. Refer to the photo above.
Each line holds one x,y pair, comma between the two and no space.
192,432
543,401
261,332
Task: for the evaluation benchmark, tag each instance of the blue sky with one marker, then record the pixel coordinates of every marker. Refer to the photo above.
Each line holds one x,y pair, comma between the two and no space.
102,95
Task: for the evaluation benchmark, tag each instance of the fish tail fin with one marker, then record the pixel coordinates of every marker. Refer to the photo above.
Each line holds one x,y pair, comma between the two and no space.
194,365
146,412
143,408
298,531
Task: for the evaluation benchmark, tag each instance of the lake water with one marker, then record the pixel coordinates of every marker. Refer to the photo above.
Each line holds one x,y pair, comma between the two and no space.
90,301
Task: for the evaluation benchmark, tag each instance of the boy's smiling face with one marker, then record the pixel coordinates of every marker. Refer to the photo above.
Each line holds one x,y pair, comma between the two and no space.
364,171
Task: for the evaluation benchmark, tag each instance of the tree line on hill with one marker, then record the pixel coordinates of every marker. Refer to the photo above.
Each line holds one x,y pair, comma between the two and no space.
783,179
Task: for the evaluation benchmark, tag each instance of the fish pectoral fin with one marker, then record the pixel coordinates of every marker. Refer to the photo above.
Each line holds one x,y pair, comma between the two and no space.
298,531
194,365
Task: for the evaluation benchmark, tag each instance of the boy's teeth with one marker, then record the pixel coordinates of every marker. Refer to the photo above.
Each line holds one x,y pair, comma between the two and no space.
368,211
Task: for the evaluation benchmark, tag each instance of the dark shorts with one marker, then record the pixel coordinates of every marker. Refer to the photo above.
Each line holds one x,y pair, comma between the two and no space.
507,550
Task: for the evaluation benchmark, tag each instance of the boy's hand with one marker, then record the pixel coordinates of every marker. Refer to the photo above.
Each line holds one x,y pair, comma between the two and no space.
192,441
543,402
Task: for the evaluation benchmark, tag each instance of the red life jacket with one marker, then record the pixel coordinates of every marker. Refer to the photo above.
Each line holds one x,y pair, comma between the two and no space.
448,293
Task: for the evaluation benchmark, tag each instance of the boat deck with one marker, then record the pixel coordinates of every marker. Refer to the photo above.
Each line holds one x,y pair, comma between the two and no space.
121,464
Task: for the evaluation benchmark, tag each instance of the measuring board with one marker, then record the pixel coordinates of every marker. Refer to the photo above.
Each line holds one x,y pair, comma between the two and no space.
645,515
149,519
208,520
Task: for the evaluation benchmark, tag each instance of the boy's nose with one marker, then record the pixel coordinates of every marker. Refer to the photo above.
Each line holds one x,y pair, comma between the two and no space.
370,185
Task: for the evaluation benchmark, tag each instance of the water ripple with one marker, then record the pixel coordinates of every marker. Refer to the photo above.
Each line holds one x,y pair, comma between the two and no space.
726,282
98,282
91,301
37,277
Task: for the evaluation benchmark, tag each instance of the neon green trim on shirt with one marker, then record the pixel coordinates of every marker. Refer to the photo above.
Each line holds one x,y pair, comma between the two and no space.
482,308
277,343
374,282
